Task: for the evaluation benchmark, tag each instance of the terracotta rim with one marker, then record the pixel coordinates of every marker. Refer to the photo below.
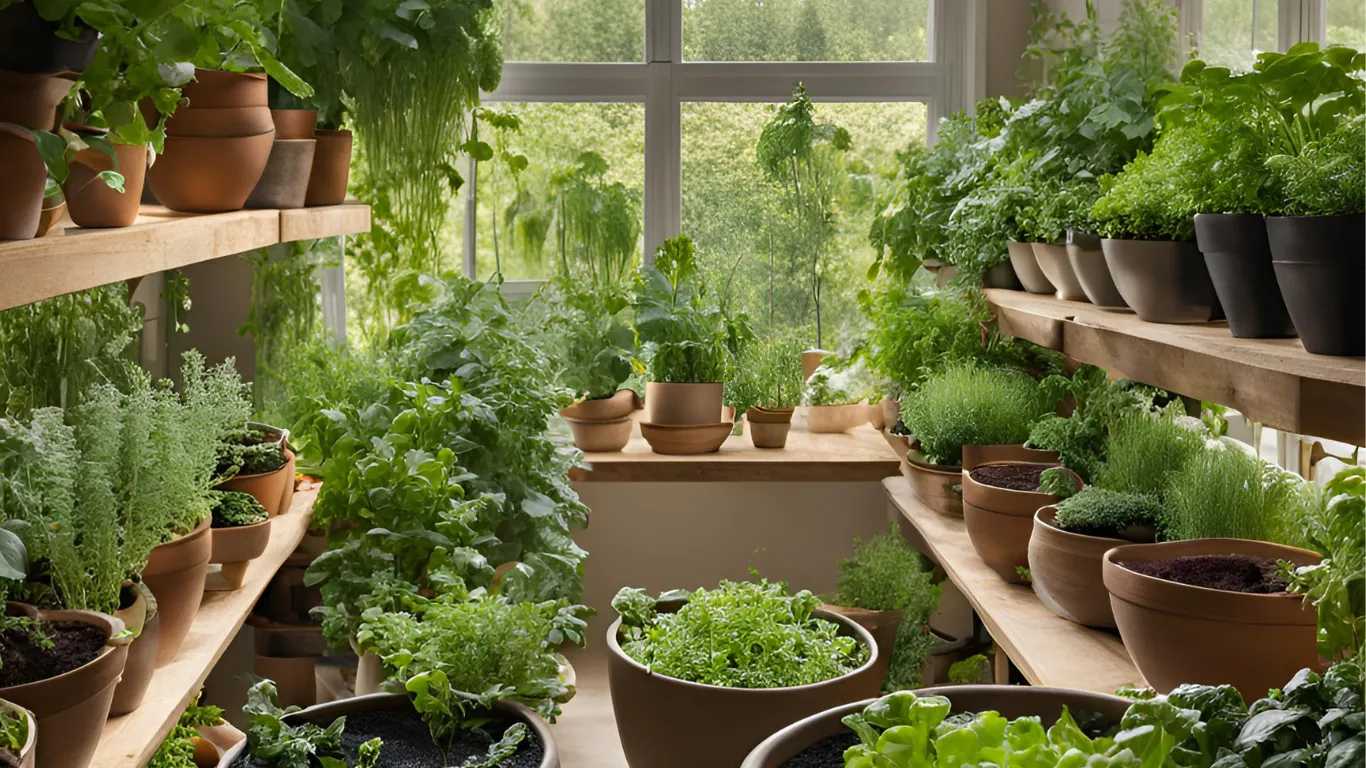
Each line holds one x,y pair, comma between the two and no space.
1019,503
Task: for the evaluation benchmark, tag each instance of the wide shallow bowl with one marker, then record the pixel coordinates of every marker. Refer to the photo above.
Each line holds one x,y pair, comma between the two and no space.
1056,266
975,456
1027,268
1009,700
609,408
1065,569
670,723
1164,281
219,122
1088,263
209,175
1238,256
601,436
175,573
673,440
1000,521
1178,633
683,404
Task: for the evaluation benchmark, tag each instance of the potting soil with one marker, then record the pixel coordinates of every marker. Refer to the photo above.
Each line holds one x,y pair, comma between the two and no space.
1013,477
74,644
826,753
1230,573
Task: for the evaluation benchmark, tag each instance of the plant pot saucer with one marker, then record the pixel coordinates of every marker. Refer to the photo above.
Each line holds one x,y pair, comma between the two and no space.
687,440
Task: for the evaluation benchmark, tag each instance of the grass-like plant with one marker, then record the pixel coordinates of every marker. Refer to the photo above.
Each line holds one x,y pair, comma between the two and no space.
1145,449
739,635
768,374
1101,512
1080,439
886,574
969,404
1225,492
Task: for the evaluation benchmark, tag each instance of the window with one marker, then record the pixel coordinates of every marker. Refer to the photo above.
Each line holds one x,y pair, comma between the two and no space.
574,30
805,30
1345,23
1233,32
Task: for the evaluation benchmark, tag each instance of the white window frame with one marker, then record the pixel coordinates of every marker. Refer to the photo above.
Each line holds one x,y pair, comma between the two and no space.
1297,21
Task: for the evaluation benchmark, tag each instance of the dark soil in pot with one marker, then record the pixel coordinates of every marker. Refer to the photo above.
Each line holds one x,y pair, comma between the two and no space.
1230,573
1238,256
826,753
75,644
1015,477
408,743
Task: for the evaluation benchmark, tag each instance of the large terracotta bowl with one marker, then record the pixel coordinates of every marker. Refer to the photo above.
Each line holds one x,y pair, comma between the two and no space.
209,175
1000,521
1065,570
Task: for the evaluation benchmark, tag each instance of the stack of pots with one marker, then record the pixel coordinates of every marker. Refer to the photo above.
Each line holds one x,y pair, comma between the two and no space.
28,102
1320,268
768,427
684,418
602,424
284,183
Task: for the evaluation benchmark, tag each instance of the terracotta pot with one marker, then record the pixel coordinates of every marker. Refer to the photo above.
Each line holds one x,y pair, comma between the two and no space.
291,481
882,625
832,419
975,456
691,440
1065,568
601,436
144,620
235,547
1164,281
891,411
946,652
21,195
768,435
669,723
683,404
944,275
31,100
1088,264
938,487
52,213
212,89
1009,700
811,360
175,573
209,175
1056,266
268,488
94,204
610,408
874,414
295,124
331,169
1182,634
1027,268
28,751
1320,271
1000,521
219,123
1238,257
284,183
324,714
70,709
1000,276
29,43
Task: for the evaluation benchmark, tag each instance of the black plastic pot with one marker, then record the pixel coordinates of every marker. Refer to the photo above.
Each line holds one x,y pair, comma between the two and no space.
1320,264
1239,259
29,43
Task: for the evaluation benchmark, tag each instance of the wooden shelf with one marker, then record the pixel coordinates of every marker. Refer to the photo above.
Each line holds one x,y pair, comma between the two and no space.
131,740
1048,649
859,455
74,259
1272,381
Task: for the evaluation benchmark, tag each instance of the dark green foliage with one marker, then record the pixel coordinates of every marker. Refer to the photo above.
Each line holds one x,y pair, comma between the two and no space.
588,333
886,574
250,450
687,337
970,671
969,404
1313,720
914,642
1225,492
1335,527
1328,176
281,745
1080,439
1116,514
232,509
13,731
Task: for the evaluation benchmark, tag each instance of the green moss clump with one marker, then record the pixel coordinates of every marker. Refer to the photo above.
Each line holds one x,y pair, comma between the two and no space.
1102,512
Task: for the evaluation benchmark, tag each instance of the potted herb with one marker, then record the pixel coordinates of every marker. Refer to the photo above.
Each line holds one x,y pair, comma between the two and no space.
664,694
836,397
999,502
1063,210
241,532
1334,528
18,737
768,389
595,347
308,46
256,459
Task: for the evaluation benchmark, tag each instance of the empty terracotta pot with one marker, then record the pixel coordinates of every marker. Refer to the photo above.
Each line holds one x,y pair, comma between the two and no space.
832,419
769,427
236,546
1088,263
1178,633
29,43
52,213
1065,569
975,456
1027,268
209,175
94,204
222,123
31,100
689,440
21,195
28,751
1163,281
284,183
175,573
669,723
683,404
331,168
295,124
1000,521
268,488
212,89
938,487
1011,701
1238,257
610,408
71,708
142,618
1056,266
601,436
882,625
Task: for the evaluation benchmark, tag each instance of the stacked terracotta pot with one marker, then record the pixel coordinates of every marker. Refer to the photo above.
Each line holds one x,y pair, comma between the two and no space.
28,102
602,424
684,419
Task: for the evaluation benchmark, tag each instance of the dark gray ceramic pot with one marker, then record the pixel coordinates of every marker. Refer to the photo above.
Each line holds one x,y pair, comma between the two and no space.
1088,262
1027,268
1238,256
1162,280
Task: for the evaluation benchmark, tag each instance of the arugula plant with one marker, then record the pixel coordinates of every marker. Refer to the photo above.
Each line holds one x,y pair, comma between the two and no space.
686,337
1336,528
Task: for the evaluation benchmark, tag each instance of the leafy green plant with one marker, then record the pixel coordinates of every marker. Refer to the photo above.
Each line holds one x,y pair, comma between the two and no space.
970,671
1312,720
768,374
1058,481
232,509
686,337
886,574
249,449
13,731
1101,512
969,404
1336,528
1325,177
835,384
281,745
177,749
1225,492
739,635
589,333
1080,439
1144,450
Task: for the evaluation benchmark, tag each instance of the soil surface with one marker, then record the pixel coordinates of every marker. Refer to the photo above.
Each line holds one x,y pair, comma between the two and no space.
408,743
1230,573
1014,477
826,753
74,644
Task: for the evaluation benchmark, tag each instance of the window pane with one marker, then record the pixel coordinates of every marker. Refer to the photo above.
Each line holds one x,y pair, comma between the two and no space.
1233,32
585,172
1347,23
574,30
749,233
805,30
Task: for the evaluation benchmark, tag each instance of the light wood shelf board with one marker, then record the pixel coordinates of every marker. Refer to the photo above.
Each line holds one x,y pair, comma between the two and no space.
315,223
1048,649
131,740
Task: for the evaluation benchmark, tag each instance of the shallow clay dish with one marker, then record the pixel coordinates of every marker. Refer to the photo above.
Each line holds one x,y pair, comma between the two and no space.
689,440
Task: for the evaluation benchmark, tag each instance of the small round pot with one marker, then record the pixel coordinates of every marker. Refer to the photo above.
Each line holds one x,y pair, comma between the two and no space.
235,547
28,751
268,488
690,440
21,196
1238,256
833,419
1027,268
29,43
617,406
1325,301
891,411
601,436
1009,700
94,204
1088,263
331,169
209,175
937,486
1164,281
295,124
70,709
1000,276
1057,267
219,123
1182,634
212,89
284,183
975,456
1065,569
999,522
175,573
325,714
142,618
53,211
683,404
669,723
765,435
882,625
31,100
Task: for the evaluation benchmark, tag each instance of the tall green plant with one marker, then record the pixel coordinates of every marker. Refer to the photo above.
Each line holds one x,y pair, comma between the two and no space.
969,404
687,338
1225,492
